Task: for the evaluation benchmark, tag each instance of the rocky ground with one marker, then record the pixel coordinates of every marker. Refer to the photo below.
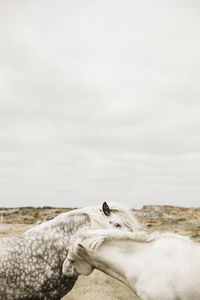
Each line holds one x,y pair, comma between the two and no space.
185,221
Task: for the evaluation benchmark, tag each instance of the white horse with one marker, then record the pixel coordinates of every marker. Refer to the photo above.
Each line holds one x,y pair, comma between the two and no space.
31,265
155,266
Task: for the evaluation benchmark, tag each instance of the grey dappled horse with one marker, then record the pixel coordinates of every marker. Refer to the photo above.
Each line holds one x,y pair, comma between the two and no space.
31,265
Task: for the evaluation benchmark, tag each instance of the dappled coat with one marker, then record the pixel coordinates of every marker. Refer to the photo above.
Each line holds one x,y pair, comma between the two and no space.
31,265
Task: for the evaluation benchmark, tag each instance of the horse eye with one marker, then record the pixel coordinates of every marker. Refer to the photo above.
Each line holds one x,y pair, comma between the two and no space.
117,225
71,260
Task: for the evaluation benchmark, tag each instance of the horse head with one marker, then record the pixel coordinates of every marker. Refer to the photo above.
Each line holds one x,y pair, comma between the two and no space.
114,216
76,264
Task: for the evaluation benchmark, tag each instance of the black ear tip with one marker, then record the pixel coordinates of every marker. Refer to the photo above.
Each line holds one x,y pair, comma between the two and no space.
105,206
106,209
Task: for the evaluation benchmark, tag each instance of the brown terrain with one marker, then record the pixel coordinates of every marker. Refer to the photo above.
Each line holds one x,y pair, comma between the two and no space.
185,221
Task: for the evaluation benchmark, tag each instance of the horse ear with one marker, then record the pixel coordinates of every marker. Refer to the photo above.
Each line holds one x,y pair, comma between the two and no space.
106,209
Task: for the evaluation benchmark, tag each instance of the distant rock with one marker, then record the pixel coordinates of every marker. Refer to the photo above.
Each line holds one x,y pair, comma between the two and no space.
152,211
12,211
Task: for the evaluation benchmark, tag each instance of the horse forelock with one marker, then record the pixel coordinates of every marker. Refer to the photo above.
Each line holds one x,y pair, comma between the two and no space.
129,219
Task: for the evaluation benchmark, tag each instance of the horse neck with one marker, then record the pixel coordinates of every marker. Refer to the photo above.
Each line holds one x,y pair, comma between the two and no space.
110,259
119,259
61,227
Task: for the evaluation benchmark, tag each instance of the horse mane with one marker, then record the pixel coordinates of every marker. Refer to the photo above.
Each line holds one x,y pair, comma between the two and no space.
91,216
92,240
97,218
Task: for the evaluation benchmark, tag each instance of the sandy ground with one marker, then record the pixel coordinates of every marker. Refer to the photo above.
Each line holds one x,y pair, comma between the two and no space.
99,286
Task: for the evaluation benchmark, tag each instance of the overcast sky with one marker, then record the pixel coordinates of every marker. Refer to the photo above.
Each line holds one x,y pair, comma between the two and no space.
99,100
